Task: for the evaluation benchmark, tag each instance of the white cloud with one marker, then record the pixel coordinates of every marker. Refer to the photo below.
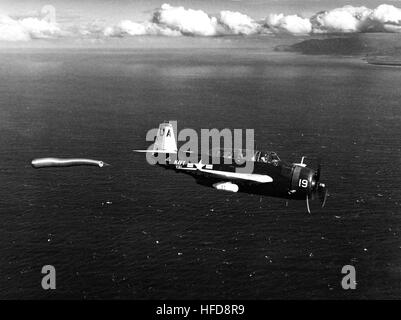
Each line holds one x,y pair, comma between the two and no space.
128,27
238,23
11,30
345,19
186,21
385,18
387,14
25,29
175,21
389,17
291,23
39,28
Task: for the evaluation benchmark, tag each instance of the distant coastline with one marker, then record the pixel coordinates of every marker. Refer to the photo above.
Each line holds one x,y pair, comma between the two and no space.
384,62
374,49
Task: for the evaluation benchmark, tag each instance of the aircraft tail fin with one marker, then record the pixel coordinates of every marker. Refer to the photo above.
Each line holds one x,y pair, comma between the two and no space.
165,141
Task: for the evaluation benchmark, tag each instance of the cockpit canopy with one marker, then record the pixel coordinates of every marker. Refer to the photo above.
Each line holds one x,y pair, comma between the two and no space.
243,154
266,156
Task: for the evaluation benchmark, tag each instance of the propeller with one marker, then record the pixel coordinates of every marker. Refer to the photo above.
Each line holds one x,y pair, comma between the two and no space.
318,189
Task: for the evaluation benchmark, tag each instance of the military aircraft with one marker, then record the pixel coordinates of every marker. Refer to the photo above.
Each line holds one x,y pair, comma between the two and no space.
270,175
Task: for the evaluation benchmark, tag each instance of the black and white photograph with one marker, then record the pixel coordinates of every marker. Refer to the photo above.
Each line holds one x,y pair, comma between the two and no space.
200,150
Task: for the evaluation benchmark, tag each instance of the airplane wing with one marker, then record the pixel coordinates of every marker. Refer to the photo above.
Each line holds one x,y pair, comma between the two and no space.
228,175
261,178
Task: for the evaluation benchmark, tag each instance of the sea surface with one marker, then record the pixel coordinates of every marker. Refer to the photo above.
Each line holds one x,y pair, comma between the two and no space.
135,231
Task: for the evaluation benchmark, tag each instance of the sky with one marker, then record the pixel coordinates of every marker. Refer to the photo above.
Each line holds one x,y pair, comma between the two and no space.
32,20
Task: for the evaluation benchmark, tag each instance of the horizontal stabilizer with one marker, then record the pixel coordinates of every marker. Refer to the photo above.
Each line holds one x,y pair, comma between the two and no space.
163,151
156,151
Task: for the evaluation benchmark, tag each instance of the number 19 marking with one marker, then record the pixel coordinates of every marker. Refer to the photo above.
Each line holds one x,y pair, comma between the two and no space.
303,183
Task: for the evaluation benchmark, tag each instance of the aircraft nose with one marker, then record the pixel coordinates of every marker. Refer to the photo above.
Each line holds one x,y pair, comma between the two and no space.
309,184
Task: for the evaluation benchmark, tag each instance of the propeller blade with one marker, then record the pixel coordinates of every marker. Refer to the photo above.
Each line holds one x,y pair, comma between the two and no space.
323,195
307,204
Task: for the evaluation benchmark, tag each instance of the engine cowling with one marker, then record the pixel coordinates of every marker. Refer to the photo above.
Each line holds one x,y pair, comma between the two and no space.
303,180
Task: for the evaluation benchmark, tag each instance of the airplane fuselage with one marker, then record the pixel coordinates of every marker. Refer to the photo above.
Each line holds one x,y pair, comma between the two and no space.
290,181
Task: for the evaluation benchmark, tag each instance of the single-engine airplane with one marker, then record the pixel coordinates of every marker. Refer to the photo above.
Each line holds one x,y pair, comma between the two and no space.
270,175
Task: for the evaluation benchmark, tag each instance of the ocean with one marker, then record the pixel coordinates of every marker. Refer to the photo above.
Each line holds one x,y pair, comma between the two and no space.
135,231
